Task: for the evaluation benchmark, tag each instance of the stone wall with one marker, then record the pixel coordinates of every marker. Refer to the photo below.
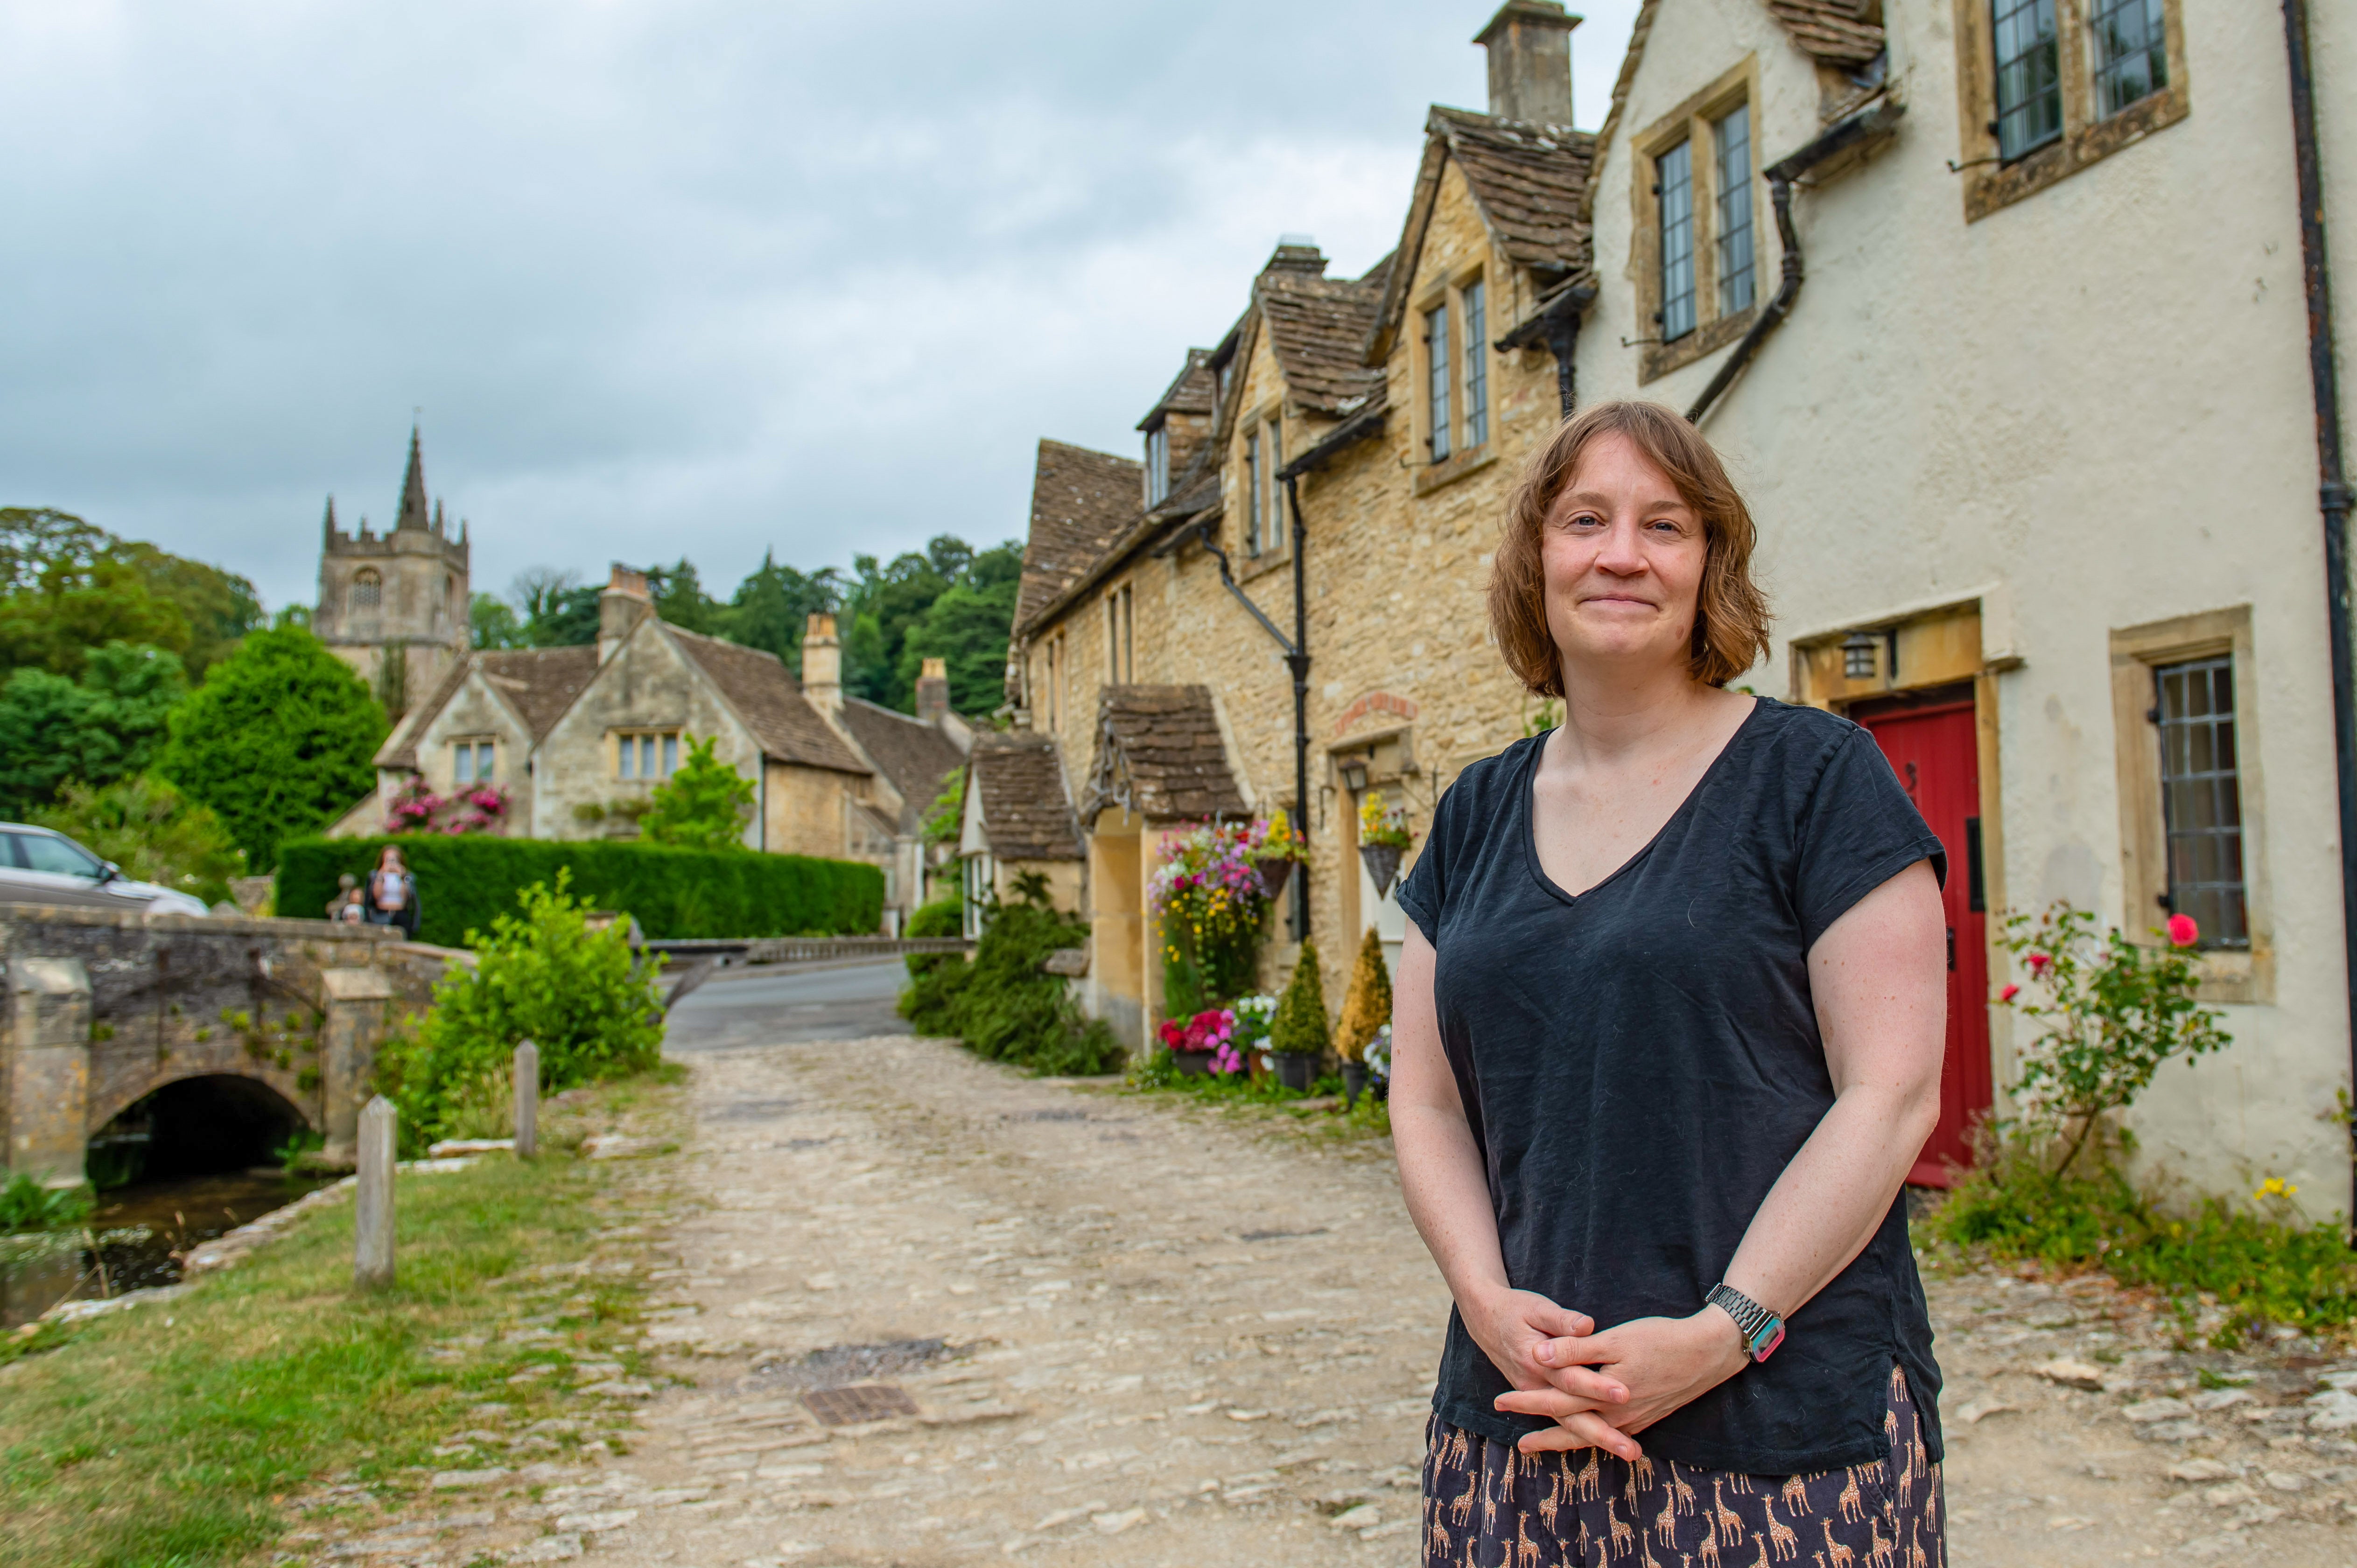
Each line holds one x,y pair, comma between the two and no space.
135,1002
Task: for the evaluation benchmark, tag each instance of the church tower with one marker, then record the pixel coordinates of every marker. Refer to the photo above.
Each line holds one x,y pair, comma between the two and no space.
394,606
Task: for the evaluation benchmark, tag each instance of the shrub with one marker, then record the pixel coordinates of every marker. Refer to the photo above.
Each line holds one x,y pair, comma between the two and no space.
145,826
105,726
1367,1005
279,741
27,1205
935,979
1003,1005
1300,1026
705,804
544,977
466,882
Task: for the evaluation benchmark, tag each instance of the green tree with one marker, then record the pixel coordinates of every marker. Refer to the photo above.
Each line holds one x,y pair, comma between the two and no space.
495,622
105,726
67,586
1300,1026
967,627
220,607
278,741
771,608
678,598
153,833
705,804
559,610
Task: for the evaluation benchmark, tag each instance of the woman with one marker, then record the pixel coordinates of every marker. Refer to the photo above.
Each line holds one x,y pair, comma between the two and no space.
393,892
1667,1038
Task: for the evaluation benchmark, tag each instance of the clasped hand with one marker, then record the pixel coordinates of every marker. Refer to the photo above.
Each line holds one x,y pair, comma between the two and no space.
1600,1388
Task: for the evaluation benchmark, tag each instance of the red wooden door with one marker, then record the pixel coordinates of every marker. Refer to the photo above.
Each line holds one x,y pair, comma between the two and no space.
1933,749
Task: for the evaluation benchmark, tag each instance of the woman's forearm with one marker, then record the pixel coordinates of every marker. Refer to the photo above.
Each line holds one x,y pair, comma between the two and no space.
1447,1197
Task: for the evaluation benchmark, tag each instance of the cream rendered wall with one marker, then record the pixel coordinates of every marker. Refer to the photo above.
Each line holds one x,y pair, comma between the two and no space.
474,713
2092,410
648,683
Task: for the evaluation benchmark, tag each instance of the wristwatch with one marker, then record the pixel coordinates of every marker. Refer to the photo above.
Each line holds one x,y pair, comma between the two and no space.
1762,1330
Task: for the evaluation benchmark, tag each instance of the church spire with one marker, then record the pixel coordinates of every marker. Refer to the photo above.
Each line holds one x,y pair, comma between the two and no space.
413,490
329,528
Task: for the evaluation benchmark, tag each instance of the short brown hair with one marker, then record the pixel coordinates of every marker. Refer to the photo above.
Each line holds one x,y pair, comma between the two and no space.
1730,629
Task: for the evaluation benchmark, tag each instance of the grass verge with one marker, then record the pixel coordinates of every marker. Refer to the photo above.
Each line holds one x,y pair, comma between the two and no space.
188,1432
2260,1265
1319,1111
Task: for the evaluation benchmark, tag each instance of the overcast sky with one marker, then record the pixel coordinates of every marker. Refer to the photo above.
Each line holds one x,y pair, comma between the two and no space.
701,278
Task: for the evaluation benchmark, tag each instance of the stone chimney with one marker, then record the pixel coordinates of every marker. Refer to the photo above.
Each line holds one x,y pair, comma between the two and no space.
620,607
822,665
933,692
1530,62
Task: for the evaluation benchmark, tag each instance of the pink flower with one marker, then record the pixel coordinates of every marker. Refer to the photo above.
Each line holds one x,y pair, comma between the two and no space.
2008,993
2182,931
2038,963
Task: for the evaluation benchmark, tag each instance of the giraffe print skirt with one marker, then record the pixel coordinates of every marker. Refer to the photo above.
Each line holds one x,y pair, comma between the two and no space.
1488,1505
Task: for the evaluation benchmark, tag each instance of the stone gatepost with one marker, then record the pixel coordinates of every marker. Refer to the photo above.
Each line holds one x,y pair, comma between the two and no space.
47,1069
355,1002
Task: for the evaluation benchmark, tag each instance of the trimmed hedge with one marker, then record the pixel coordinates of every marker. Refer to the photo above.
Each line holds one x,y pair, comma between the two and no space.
463,882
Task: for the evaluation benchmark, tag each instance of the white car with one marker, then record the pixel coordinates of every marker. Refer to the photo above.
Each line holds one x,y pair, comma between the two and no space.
39,867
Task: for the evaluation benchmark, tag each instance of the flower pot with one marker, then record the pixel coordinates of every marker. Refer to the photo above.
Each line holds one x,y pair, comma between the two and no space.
1354,1082
1295,1070
1192,1064
1382,864
1274,875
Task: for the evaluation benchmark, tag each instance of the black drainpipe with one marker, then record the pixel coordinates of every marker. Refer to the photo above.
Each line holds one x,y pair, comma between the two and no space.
2332,492
1858,128
1296,659
1557,324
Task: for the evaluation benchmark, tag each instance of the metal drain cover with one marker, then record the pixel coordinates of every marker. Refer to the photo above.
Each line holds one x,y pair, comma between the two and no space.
855,1403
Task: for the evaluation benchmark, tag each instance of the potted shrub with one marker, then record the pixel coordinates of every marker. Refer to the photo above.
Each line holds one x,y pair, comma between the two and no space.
1366,1007
1204,1045
1297,1036
1383,837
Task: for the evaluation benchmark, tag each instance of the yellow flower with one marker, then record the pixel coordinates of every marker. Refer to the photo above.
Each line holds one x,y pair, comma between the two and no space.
2276,1186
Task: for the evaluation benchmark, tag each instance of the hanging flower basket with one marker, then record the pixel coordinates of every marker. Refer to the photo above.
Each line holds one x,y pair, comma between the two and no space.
1382,864
1274,875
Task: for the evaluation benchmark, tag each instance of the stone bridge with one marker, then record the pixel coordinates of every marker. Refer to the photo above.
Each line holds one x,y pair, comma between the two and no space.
105,1007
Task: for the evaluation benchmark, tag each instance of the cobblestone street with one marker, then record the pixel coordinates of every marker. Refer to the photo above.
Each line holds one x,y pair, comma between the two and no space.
1111,1330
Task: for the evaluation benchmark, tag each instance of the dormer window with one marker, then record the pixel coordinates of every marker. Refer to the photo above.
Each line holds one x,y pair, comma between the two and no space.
1157,463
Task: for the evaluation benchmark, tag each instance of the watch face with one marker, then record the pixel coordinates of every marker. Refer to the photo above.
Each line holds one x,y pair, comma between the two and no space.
1762,1352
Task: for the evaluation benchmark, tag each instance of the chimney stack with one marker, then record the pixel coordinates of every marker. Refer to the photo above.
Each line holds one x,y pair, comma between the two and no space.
822,665
1530,62
933,692
619,607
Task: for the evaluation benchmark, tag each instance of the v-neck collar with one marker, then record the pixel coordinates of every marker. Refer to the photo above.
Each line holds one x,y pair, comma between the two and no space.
1527,796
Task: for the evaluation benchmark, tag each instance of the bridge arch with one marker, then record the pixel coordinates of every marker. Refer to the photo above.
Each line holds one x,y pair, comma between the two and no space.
194,1125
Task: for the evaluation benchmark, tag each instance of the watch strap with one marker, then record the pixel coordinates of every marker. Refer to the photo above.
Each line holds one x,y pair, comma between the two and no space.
1762,1329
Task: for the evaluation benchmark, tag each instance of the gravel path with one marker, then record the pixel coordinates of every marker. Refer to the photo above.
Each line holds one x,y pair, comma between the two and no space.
1057,1324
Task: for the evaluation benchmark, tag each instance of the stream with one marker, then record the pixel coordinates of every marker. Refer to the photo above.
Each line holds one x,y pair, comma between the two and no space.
138,1230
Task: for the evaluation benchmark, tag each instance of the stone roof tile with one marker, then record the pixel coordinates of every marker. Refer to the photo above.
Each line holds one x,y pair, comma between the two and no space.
1833,32
1160,754
1081,501
1317,331
539,684
769,700
915,756
1025,809
1530,181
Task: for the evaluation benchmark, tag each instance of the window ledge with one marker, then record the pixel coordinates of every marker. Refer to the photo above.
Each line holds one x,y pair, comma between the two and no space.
2237,975
1262,564
1989,189
1661,358
1448,470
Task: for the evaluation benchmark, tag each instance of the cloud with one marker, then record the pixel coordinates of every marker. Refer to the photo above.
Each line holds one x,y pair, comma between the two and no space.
705,278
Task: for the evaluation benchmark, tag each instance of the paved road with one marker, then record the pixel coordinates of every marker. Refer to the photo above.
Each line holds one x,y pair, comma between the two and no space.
1113,1330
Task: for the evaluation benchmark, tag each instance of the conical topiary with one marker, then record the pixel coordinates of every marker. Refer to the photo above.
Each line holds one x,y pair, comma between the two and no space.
1367,1005
1300,1026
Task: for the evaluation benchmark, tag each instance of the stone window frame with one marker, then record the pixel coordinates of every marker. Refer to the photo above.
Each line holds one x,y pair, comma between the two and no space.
624,736
1121,632
2228,975
1055,668
1446,293
473,746
1991,184
1694,121
1261,431
373,580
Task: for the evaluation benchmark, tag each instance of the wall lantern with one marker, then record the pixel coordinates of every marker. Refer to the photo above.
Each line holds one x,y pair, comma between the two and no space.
1857,655
1353,770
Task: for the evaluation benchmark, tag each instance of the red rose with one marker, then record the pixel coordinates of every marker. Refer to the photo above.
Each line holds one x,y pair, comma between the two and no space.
2038,963
2182,931
2008,993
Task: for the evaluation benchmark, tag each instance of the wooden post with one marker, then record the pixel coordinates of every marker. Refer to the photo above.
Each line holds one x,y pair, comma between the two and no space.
372,1223
526,1079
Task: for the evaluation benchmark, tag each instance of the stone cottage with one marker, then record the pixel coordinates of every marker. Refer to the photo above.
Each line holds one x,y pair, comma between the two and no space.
578,740
2013,430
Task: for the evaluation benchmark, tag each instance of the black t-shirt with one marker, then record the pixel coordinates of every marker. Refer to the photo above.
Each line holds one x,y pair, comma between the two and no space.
1639,1065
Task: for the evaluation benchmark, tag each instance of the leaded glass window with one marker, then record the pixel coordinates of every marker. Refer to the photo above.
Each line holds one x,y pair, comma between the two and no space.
1732,144
2131,54
2200,798
1273,446
367,590
1673,172
2029,76
1157,464
1436,358
1251,493
1477,365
